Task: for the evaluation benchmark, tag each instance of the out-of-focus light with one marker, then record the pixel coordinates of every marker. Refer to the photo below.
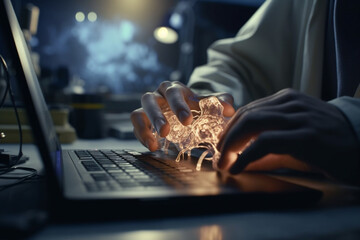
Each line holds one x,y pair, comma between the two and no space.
212,232
127,31
92,16
34,41
165,35
80,16
176,20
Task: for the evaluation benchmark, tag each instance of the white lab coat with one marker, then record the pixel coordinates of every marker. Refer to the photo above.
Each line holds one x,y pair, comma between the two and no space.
281,46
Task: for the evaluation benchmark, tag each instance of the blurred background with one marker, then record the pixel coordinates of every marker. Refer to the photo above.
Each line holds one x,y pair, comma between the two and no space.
120,49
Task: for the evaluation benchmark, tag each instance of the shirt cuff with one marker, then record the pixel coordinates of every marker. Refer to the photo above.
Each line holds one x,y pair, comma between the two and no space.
350,107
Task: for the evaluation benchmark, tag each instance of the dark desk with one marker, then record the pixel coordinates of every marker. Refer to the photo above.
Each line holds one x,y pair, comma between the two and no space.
336,217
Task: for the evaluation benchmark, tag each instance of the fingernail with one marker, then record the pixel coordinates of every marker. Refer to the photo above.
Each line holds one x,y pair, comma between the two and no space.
158,124
183,115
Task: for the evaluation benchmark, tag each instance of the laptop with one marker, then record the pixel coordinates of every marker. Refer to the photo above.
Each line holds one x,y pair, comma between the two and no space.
124,183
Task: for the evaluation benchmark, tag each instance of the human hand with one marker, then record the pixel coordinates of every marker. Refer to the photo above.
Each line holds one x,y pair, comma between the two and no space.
169,95
290,130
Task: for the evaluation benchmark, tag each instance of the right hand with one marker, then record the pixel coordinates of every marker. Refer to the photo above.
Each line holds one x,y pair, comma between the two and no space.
169,95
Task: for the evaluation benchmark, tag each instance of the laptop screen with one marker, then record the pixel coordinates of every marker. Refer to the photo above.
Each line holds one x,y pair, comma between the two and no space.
21,66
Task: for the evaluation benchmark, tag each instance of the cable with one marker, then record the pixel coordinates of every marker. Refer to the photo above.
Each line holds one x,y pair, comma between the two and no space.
8,89
31,173
7,85
5,172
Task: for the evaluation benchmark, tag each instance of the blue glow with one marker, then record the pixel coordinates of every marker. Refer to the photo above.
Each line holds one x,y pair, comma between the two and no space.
110,55
58,164
34,41
176,20
127,30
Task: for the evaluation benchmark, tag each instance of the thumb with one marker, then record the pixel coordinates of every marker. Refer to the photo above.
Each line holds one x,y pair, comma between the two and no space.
227,101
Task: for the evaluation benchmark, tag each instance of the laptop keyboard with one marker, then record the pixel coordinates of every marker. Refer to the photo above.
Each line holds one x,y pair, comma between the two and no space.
114,170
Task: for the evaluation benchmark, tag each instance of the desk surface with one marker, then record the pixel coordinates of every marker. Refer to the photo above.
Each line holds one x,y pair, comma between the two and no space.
334,220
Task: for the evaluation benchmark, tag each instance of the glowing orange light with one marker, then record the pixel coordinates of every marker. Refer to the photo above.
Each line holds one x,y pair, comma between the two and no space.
204,131
212,232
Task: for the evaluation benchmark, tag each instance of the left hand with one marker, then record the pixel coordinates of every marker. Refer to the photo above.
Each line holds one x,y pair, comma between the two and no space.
169,95
290,130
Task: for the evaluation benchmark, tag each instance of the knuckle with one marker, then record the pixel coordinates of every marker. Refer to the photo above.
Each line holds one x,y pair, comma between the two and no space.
164,85
291,93
146,96
287,90
171,90
248,116
251,120
177,83
298,105
138,119
288,94
246,120
136,113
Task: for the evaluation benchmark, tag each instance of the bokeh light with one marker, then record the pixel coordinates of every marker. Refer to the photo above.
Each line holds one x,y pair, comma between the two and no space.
80,16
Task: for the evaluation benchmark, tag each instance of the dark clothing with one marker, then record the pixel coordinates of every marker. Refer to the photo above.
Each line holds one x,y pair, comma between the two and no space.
342,50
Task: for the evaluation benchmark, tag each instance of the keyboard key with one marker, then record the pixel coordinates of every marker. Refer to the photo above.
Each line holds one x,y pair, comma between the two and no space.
116,171
104,161
91,166
109,165
143,176
130,169
101,177
122,177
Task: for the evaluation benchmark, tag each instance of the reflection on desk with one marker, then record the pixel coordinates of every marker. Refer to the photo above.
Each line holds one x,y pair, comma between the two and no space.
332,223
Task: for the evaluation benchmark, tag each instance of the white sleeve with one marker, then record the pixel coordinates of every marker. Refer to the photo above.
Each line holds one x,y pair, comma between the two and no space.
265,54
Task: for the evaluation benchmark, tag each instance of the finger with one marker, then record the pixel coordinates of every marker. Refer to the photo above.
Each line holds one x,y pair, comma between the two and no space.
152,103
276,142
175,96
289,107
227,101
229,155
143,129
292,111
277,161
276,99
163,86
239,131
279,97
180,99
